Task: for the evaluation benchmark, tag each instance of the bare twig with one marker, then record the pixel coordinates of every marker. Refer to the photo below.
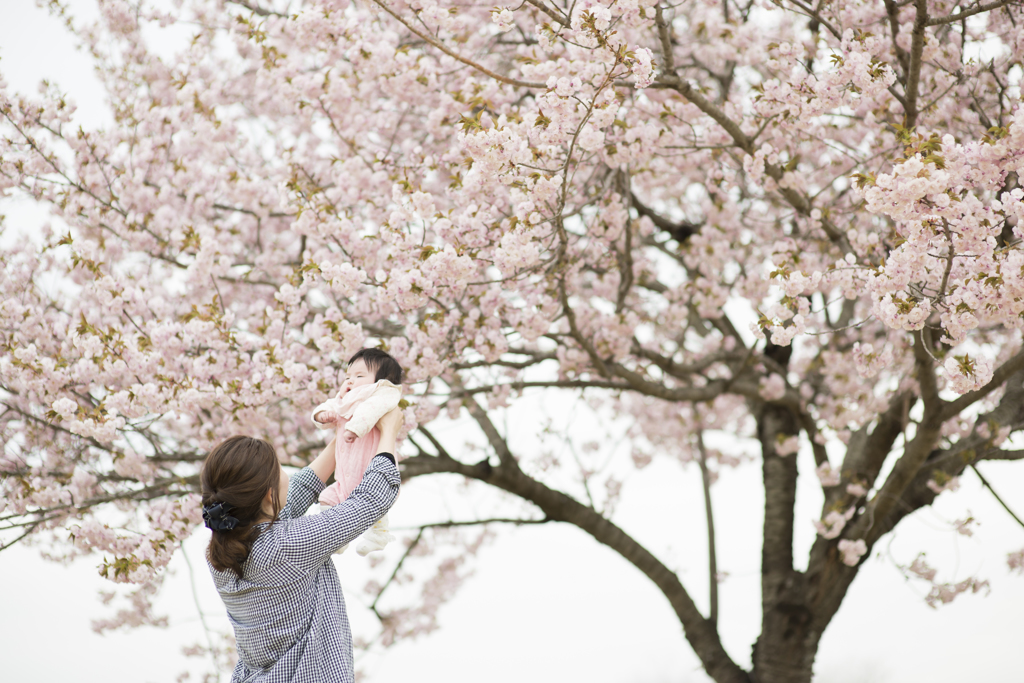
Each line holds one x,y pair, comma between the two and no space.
477,522
987,485
712,555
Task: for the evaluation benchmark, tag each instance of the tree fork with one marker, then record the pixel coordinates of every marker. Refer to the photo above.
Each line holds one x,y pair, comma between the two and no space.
700,632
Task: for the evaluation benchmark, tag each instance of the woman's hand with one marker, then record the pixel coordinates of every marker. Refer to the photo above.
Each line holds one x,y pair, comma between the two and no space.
391,422
389,426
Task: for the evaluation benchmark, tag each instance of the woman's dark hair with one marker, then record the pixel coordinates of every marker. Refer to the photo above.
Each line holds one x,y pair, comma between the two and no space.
380,363
238,472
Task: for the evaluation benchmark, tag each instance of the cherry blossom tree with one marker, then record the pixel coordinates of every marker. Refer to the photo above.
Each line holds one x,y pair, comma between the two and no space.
792,222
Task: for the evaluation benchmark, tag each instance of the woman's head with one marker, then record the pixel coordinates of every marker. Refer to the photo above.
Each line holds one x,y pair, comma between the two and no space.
241,474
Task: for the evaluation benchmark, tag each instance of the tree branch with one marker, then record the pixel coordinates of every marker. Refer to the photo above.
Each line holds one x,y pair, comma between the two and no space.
454,55
712,555
665,36
559,507
963,14
255,9
680,231
1001,374
991,490
560,18
477,522
914,70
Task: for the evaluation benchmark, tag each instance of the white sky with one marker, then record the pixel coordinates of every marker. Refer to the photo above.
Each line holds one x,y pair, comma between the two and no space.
545,603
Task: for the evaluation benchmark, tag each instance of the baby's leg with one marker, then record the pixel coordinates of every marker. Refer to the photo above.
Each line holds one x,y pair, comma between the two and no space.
329,498
376,538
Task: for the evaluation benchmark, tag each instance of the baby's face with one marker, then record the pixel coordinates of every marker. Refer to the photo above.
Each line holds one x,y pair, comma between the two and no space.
358,375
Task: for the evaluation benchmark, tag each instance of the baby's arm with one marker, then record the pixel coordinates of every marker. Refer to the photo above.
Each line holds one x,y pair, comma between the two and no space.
383,399
327,413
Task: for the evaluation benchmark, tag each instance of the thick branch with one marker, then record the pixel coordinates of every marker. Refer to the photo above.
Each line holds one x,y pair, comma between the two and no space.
680,231
784,649
963,14
914,70
665,36
495,439
560,18
744,143
908,466
1002,373
557,506
892,12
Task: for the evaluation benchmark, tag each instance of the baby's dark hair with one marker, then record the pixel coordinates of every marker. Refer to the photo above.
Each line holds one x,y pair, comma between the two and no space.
380,363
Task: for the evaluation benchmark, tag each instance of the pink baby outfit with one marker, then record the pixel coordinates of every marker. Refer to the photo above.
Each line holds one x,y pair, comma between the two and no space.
357,412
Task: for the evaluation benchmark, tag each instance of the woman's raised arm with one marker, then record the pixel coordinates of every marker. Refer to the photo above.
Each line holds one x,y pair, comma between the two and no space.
323,465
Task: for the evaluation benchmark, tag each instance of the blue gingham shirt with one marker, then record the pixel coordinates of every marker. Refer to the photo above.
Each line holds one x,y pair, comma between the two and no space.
287,611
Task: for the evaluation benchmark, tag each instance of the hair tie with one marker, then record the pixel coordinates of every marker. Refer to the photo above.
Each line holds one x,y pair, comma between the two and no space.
217,518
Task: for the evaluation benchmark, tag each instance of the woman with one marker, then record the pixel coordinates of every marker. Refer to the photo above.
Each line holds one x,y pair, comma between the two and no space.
272,566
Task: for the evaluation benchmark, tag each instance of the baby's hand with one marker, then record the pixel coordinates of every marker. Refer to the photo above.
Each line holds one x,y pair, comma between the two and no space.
348,437
326,417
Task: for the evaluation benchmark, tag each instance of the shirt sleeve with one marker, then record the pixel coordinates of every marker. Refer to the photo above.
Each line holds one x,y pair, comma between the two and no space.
309,541
303,490
384,398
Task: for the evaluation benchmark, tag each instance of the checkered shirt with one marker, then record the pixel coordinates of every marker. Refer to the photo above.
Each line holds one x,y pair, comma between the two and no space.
288,611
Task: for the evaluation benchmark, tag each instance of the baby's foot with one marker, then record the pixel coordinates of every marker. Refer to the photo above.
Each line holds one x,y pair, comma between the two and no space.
376,538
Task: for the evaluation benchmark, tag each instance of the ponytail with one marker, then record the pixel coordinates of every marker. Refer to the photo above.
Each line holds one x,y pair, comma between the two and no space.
235,478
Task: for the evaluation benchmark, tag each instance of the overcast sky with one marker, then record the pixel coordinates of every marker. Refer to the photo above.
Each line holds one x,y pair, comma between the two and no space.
546,603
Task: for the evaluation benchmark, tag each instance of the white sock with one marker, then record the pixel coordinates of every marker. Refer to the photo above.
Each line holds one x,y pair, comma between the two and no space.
376,538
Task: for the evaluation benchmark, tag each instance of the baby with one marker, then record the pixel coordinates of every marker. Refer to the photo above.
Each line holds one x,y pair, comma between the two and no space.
371,389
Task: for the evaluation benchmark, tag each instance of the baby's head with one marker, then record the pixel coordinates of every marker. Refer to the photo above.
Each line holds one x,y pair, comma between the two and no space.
369,366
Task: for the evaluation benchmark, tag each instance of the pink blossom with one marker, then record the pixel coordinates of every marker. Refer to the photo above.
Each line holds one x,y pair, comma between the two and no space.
827,475
942,594
773,387
502,17
963,526
642,67
852,551
1015,561
941,483
831,526
788,445
921,569
966,373
856,490
64,407
868,361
